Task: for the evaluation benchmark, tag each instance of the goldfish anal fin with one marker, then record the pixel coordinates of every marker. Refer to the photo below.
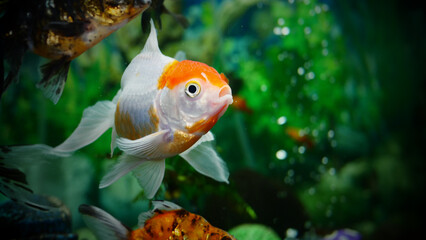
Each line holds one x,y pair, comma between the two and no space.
126,163
54,77
150,174
103,225
205,159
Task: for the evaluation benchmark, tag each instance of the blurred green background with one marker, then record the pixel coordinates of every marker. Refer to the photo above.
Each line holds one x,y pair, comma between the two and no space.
331,135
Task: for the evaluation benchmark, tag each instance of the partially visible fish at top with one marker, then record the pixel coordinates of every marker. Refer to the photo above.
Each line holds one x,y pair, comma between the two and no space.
58,30
164,108
155,11
166,221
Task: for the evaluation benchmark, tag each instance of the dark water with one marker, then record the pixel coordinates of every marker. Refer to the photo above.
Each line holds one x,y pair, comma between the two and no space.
331,137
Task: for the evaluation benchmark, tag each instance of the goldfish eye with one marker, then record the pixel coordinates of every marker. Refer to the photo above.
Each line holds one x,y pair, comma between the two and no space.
192,89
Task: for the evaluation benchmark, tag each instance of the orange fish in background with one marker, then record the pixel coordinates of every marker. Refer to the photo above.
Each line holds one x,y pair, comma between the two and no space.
166,221
299,136
241,104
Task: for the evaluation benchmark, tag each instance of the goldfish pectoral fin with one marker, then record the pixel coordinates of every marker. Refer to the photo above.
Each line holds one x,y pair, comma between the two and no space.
102,224
205,159
150,174
95,121
148,147
158,205
126,163
180,56
54,77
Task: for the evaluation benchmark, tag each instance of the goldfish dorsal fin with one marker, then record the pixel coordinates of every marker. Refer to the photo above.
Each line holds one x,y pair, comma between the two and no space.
158,205
147,67
151,45
165,205
103,225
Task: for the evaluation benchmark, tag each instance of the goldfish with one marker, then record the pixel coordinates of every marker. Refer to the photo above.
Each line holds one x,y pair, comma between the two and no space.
20,222
164,108
57,30
241,104
166,221
299,136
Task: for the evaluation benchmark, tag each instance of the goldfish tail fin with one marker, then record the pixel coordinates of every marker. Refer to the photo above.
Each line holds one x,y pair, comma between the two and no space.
95,121
13,185
149,173
205,160
54,77
126,163
13,182
103,225
158,205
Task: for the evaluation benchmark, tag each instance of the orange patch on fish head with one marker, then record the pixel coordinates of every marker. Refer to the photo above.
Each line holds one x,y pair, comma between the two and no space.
178,72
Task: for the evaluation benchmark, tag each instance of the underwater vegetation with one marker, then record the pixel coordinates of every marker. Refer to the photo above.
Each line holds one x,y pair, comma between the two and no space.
325,136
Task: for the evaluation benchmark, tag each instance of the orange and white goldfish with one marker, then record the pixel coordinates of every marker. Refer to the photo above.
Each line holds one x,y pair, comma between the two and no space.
164,108
166,221
58,30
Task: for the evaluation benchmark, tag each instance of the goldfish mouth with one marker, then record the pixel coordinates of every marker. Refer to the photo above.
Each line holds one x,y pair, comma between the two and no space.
225,95
225,99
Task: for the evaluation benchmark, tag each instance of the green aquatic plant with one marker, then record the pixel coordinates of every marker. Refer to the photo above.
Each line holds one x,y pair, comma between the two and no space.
253,231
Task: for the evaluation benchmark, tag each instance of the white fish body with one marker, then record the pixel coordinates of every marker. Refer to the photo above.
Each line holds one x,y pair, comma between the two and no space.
164,108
